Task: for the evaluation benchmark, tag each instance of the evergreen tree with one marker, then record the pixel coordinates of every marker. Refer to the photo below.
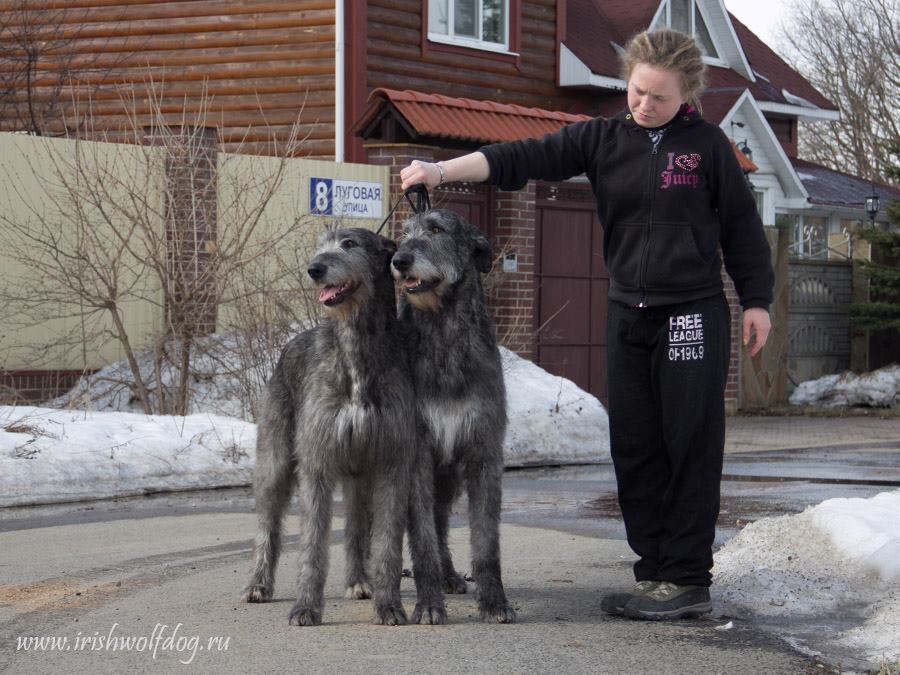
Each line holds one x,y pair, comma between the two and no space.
883,270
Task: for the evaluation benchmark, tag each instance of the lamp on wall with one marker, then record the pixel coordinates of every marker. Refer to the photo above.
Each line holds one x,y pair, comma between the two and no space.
872,205
745,148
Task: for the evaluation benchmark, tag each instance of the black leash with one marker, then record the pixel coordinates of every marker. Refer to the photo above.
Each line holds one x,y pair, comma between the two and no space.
422,203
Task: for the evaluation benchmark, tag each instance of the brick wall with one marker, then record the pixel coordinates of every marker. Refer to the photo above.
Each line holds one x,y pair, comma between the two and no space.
35,386
733,384
512,293
191,215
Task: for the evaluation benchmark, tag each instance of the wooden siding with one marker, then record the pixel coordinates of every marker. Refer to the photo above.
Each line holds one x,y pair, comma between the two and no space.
264,63
396,59
786,132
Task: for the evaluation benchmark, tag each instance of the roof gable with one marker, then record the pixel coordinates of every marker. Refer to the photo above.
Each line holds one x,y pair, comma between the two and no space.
714,16
596,31
750,111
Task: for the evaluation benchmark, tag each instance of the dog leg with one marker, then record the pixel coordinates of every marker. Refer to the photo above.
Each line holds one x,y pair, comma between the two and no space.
484,481
391,496
358,514
423,545
315,518
446,485
273,486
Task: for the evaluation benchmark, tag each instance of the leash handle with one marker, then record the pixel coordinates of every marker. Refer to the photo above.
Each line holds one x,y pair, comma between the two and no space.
421,205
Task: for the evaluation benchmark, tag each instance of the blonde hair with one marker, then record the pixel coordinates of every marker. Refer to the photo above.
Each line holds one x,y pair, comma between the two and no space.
669,49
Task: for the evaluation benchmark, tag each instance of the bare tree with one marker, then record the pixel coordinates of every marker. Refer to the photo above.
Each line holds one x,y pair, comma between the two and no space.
849,50
116,228
40,60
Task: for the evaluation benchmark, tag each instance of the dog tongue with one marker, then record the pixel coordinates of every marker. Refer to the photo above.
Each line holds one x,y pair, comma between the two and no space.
411,283
328,293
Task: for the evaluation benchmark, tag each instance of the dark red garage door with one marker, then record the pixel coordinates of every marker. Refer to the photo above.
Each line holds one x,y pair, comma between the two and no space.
572,285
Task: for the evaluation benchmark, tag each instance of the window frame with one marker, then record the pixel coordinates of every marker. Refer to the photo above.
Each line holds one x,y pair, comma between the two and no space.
454,43
693,10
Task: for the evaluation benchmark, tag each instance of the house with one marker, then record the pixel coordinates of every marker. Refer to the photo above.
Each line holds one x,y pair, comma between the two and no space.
386,82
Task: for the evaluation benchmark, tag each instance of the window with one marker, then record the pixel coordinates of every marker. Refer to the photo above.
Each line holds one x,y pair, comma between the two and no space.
760,198
685,15
809,235
474,23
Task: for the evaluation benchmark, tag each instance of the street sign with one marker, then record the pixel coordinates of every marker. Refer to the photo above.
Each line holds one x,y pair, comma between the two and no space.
345,198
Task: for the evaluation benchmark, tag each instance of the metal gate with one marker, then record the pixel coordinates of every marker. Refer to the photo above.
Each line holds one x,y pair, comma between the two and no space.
818,321
572,285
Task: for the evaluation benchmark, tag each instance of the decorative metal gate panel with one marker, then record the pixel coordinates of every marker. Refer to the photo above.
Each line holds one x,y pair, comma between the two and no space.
818,322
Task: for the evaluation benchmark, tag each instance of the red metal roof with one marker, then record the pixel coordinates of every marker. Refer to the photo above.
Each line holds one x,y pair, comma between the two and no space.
465,119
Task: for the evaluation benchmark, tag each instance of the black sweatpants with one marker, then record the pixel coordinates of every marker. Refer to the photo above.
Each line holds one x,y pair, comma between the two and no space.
667,371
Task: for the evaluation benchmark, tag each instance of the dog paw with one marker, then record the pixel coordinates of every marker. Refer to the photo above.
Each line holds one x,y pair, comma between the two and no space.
256,593
304,616
358,591
455,584
503,613
390,616
431,615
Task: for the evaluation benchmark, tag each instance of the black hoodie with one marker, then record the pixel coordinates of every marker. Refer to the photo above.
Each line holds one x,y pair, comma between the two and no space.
665,211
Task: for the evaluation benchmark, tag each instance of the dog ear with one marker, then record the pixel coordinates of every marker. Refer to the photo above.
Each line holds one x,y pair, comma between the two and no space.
481,251
385,244
386,248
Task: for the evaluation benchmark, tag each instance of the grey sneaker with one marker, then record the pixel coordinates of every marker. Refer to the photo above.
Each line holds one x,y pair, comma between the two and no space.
614,603
669,601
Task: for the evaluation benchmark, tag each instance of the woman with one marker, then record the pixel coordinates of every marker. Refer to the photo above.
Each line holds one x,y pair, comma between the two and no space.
670,194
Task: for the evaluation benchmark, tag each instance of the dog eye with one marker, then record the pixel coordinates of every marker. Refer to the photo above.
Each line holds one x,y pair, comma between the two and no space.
347,244
436,230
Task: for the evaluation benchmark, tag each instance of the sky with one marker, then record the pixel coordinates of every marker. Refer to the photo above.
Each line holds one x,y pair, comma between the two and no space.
760,16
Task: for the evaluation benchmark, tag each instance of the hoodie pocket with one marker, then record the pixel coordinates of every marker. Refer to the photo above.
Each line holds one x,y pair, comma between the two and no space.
624,254
675,261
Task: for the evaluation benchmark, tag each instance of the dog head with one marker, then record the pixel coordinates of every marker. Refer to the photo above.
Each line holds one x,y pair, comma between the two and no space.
348,264
437,250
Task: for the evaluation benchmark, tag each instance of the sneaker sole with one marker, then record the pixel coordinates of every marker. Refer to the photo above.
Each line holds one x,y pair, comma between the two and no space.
689,612
616,608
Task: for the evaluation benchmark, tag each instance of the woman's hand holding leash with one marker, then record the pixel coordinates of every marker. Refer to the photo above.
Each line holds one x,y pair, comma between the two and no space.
417,172
472,167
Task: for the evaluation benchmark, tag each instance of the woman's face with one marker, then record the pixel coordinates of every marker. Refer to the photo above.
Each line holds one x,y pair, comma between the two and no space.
654,95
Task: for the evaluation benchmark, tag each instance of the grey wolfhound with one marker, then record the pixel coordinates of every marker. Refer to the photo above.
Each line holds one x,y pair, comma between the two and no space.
460,393
340,405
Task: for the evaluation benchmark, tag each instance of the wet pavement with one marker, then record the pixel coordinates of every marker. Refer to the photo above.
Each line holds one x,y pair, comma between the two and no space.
773,466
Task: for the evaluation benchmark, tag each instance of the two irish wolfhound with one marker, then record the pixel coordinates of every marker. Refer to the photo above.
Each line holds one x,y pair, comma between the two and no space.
459,387
404,412
341,405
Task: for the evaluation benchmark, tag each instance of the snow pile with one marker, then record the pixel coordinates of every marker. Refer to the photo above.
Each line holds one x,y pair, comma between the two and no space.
51,455
551,420
57,456
878,389
833,559
226,377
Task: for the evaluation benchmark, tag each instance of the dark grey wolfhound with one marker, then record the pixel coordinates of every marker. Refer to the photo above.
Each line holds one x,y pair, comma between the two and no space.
340,405
460,393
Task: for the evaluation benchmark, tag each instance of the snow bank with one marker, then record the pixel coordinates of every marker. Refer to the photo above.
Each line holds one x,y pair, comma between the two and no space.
49,455
551,420
878,389
56,456
833,559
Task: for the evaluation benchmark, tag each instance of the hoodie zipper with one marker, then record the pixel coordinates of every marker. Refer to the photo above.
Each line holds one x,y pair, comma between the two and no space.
651,183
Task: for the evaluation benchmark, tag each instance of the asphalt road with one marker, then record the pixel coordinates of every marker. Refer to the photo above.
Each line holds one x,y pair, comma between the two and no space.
165,573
